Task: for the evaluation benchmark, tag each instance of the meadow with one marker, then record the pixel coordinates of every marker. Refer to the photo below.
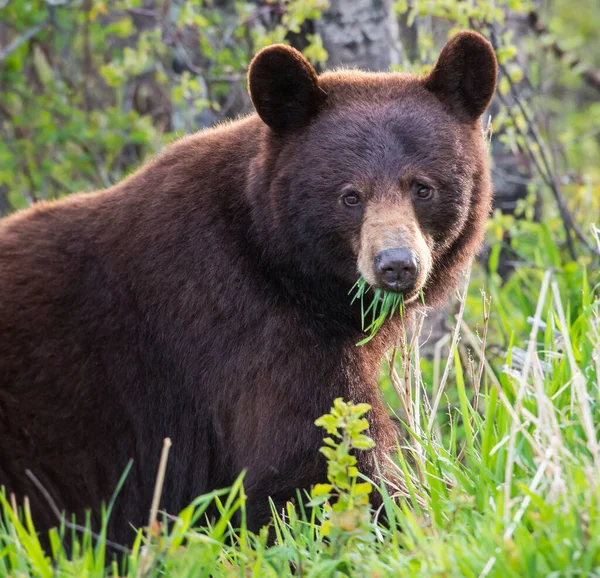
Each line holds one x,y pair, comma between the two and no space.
497,469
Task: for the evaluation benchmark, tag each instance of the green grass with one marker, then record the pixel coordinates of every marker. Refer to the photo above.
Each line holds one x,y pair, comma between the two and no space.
377,305
498,474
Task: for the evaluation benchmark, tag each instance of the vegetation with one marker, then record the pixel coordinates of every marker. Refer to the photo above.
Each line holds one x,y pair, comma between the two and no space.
498,474
376,305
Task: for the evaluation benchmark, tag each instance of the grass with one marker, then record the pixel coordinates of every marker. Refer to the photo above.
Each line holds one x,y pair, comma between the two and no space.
497,476
383,305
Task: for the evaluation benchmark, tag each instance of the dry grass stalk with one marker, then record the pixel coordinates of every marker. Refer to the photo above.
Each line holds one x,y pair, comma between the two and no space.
404,389
522,508
582,400
486,303
437,361
146,558
160,480
419,401
462,297
61,519
510,458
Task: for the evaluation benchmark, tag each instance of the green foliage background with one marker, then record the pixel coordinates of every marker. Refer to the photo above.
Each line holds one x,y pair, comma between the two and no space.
89,89
94,92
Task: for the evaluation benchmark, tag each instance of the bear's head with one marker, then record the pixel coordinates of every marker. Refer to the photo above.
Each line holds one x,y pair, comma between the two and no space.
379,175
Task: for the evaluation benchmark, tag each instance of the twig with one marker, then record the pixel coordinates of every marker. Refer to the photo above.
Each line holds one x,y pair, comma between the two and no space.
86,65
547,179
68,524
100,170
19,40
591,76
145,12
226,78
160,480
550,178
145,562
544,169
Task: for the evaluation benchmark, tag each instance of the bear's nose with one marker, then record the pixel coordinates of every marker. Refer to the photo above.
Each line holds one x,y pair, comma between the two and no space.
397,269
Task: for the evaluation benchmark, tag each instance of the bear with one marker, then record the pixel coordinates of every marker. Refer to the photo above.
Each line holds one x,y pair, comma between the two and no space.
205,297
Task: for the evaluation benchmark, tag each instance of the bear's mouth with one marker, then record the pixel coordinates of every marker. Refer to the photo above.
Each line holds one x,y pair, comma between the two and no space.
377,305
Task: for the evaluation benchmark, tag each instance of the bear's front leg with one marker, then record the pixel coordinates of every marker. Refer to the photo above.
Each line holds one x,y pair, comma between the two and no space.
278,475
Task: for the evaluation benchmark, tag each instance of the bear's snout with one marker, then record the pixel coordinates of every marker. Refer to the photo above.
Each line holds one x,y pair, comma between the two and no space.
396,269
394,254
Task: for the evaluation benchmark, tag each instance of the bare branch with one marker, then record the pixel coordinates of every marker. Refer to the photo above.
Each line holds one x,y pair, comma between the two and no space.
20,40
60,518
544,168
591,76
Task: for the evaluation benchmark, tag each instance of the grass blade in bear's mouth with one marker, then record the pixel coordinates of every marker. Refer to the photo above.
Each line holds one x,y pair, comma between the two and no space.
383,305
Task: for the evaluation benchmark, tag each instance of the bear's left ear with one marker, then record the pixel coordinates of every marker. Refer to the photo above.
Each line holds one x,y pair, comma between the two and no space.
464,77
284,88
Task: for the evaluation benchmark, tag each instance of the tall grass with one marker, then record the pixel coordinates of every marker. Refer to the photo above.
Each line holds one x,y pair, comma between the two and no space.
497,474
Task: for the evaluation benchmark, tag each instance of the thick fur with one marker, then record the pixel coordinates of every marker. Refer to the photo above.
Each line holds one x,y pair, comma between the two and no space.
205,297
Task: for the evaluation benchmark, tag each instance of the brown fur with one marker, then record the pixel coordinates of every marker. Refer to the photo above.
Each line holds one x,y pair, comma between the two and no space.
205,297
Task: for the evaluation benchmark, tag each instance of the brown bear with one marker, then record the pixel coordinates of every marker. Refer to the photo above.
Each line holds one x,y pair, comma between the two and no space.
206,296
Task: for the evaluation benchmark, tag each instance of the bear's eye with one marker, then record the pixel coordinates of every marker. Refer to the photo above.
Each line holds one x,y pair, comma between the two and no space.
351,198
423,192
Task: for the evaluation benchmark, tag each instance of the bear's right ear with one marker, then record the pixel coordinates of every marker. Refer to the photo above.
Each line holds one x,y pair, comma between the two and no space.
284,88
